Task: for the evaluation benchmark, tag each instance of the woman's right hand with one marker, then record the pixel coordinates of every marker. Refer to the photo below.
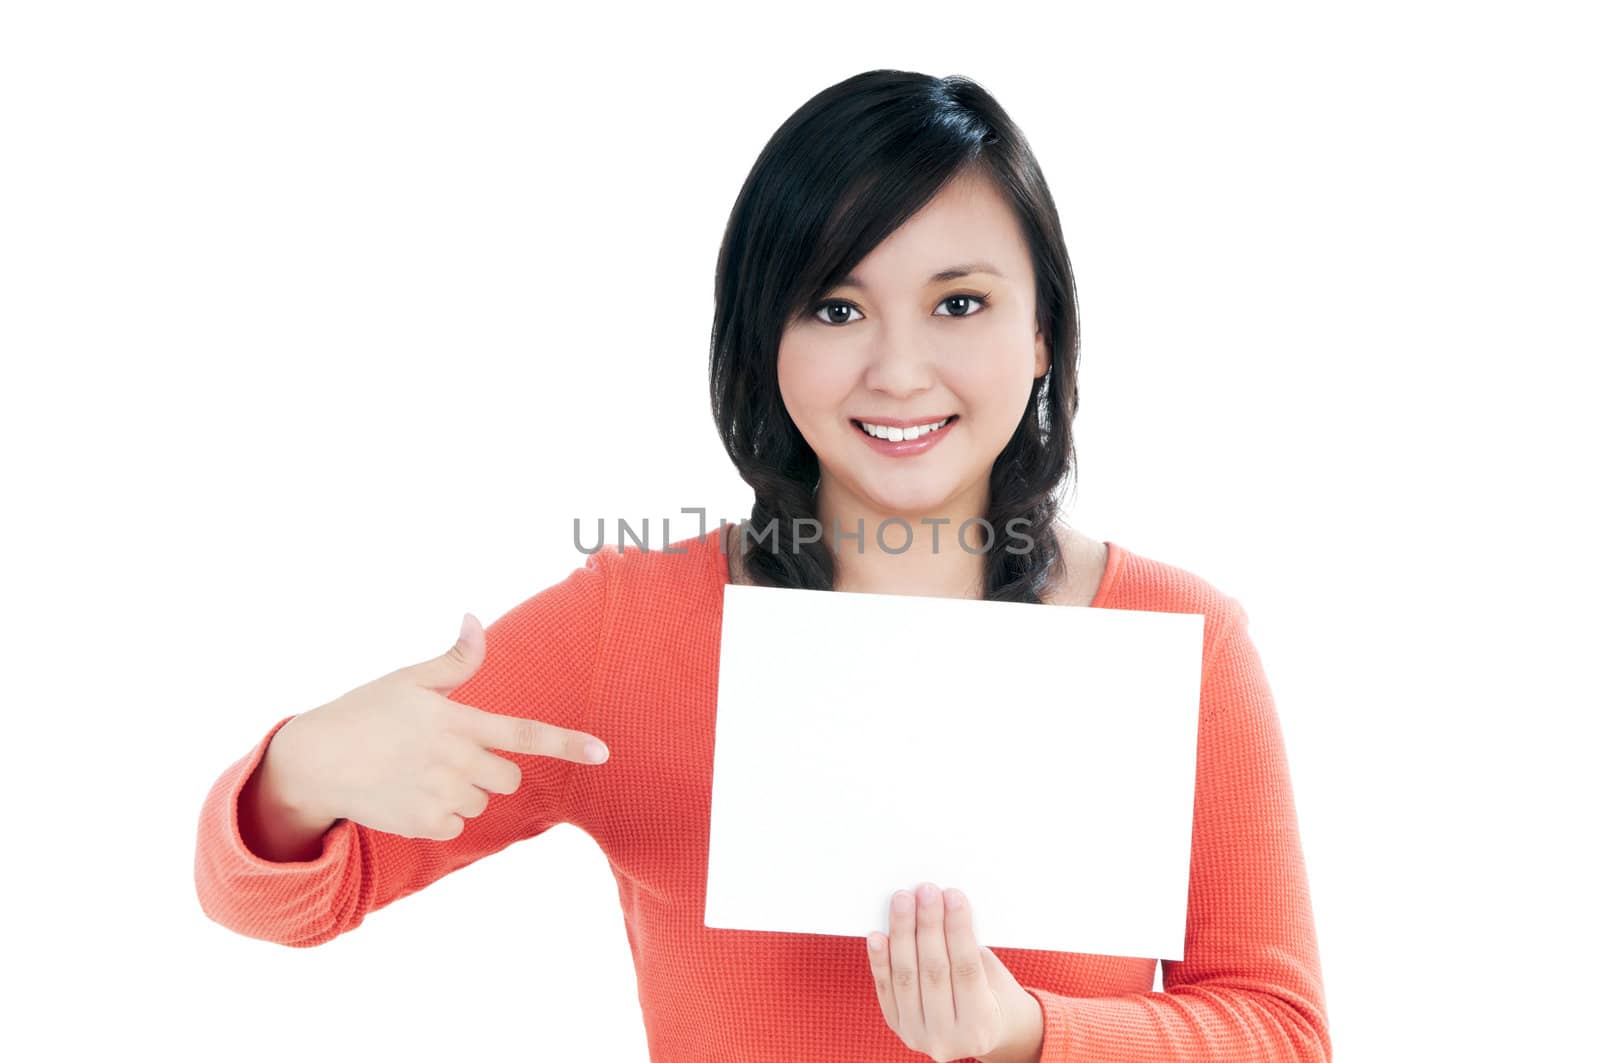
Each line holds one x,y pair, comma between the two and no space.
399,756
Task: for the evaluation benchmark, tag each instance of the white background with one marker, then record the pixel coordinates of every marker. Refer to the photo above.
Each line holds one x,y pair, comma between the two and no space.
321,323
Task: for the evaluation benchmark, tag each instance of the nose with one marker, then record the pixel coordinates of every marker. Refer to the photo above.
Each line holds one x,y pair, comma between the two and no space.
899,364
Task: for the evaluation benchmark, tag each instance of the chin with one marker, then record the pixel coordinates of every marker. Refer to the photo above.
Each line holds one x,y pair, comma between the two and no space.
910,505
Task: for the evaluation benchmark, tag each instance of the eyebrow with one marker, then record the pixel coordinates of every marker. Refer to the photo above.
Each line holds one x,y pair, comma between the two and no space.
949,274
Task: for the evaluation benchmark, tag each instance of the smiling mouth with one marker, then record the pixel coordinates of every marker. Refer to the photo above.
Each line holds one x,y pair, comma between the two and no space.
925,432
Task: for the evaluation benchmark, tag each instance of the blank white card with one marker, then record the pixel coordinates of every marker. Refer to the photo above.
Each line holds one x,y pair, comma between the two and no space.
1041,759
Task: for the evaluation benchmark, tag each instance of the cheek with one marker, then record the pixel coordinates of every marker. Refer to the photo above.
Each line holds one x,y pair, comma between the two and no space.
990,388
811,384
981,386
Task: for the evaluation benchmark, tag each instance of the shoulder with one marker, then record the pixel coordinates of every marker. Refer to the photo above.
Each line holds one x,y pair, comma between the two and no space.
1153,585
658,576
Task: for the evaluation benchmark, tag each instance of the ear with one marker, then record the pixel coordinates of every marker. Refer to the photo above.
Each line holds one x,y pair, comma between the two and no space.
1041,355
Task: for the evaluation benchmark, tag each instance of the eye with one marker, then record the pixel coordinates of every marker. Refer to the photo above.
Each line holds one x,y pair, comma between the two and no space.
965,299
830,305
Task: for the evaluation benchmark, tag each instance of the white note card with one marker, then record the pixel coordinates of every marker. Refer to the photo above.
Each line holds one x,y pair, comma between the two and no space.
1039,758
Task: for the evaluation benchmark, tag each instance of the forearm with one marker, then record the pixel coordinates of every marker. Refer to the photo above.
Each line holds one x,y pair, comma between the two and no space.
1186,1025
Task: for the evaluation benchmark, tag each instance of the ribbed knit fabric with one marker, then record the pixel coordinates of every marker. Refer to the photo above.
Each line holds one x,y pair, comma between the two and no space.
626,647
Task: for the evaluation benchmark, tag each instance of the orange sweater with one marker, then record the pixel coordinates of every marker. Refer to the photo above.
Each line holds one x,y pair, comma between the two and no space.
626,648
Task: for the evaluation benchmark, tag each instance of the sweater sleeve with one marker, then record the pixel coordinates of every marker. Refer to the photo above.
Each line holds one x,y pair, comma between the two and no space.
1250,984
539,662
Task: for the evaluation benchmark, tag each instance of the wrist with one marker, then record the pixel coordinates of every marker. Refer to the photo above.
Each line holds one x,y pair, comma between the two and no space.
282,783
1027,1042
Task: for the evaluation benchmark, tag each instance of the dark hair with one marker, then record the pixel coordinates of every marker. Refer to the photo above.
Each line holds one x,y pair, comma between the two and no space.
841,174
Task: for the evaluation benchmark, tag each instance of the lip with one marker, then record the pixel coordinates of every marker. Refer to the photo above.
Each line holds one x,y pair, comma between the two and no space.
904,448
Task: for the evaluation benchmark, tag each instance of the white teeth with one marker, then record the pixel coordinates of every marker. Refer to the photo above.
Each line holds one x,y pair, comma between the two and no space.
896,435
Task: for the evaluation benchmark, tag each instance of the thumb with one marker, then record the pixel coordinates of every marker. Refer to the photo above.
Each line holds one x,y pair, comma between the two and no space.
457,664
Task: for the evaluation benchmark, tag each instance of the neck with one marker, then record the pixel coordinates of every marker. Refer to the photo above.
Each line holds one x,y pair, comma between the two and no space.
933,561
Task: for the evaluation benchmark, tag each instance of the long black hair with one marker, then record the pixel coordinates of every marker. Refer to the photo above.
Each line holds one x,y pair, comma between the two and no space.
842,173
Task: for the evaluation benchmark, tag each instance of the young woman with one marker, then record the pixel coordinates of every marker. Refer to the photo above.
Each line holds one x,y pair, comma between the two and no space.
893,372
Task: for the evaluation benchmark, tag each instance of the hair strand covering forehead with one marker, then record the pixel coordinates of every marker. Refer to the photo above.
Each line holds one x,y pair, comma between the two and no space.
841,174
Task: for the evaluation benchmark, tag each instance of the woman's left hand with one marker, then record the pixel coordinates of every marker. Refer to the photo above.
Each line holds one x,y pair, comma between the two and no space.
943,993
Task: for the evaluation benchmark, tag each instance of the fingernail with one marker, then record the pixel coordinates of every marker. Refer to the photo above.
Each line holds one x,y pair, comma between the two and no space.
902,901
596,752
953,899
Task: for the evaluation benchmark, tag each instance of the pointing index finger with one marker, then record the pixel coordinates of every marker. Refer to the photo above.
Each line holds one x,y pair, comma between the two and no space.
520,734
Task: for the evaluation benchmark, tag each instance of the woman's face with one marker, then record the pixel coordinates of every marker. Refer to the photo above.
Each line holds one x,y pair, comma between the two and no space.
891,345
